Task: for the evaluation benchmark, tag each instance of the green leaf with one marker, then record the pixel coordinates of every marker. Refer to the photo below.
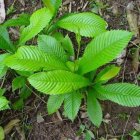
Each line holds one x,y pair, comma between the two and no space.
24,73
2,135
53,5
57,82
3,67
25,93
87,24
5,42
81,130
3,71
18,105
2,91
3,103
72,104
30,58
68,46
54,103
72,66
51,46
18,82
94,109
58,36
5,107
136,137
23,19
122,93
107,73
89,135
103,49
38,21
99,96
91,75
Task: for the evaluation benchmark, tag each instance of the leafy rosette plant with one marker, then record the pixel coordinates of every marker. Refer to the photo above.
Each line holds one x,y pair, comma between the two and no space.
53,68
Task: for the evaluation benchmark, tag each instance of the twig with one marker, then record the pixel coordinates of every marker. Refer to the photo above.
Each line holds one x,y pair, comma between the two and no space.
85,6
123,74
67,2
36,94
126,126
106,130
112,129
55,121
134,44
3,80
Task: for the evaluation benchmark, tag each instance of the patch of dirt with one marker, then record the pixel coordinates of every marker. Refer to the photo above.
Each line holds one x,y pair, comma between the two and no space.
118,121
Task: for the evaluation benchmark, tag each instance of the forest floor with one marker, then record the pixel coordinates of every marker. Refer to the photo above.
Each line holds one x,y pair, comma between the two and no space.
119,122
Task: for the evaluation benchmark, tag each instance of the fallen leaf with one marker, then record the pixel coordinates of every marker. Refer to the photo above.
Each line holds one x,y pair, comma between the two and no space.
67,2
107,116
22,2
59,116
40,118
20,132
120,58
137,126
135,62
132,18
10,126
107,121
115,9
2,11
2,136
83,115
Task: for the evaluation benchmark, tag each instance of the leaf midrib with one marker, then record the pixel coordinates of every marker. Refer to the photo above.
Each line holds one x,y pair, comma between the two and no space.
100,52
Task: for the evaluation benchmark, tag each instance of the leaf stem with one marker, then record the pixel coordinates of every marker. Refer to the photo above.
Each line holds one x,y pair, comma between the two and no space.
78,38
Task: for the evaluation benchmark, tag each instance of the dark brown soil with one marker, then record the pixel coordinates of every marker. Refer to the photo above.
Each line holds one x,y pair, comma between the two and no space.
118,121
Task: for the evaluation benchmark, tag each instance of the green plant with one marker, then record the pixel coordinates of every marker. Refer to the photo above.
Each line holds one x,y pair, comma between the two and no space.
52,67
84,130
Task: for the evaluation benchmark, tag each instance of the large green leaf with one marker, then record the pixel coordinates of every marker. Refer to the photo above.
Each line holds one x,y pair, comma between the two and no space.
51,46
85,24
3,67
5,42
103,49
53,5
107,73
54,103
72,104
38,21
94,109
23,19
57,82
30,58
122,93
